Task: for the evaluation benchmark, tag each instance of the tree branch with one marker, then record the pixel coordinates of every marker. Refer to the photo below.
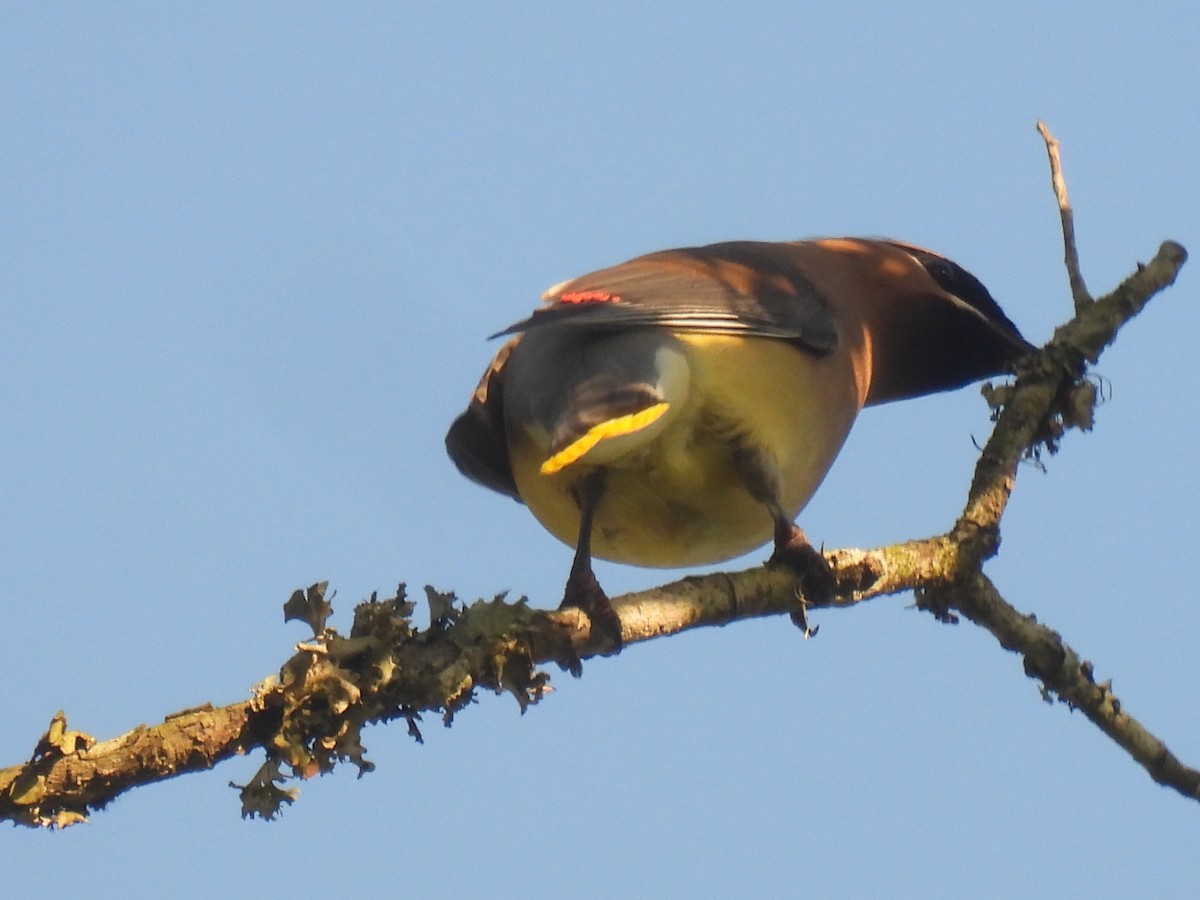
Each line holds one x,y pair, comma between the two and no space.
1079,291
1071,679
310,717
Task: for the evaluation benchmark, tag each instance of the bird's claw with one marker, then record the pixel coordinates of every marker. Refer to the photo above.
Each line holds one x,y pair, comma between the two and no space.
817,585
583,592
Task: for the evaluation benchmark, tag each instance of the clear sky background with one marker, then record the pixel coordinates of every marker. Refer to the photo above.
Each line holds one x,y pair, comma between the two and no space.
249,255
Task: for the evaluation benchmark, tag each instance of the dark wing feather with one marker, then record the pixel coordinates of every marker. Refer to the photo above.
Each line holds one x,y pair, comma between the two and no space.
723,288
476,441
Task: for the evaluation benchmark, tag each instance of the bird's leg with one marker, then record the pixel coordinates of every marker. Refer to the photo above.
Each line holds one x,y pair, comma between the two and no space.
583,591
792,547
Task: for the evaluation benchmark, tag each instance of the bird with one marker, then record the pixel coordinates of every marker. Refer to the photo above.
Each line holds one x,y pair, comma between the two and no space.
681,408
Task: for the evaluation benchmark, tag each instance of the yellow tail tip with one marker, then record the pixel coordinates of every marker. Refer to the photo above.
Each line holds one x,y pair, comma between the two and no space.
610,428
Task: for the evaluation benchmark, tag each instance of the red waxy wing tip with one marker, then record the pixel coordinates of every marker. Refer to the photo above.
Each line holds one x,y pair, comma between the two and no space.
588,297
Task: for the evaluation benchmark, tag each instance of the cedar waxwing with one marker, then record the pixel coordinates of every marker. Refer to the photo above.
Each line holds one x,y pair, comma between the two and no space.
681,408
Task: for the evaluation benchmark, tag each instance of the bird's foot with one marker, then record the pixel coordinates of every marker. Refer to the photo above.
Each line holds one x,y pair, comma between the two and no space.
583,592
817,585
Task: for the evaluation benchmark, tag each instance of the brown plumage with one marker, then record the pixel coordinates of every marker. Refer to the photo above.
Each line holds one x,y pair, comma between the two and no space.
682,407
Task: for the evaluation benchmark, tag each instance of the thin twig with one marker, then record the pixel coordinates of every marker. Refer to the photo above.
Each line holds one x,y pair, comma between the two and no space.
1079,291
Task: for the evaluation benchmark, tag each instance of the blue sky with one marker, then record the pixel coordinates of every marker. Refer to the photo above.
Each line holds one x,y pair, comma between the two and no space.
251,255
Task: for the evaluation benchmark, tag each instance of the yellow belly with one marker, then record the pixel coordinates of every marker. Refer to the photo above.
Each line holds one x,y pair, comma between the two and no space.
680,499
